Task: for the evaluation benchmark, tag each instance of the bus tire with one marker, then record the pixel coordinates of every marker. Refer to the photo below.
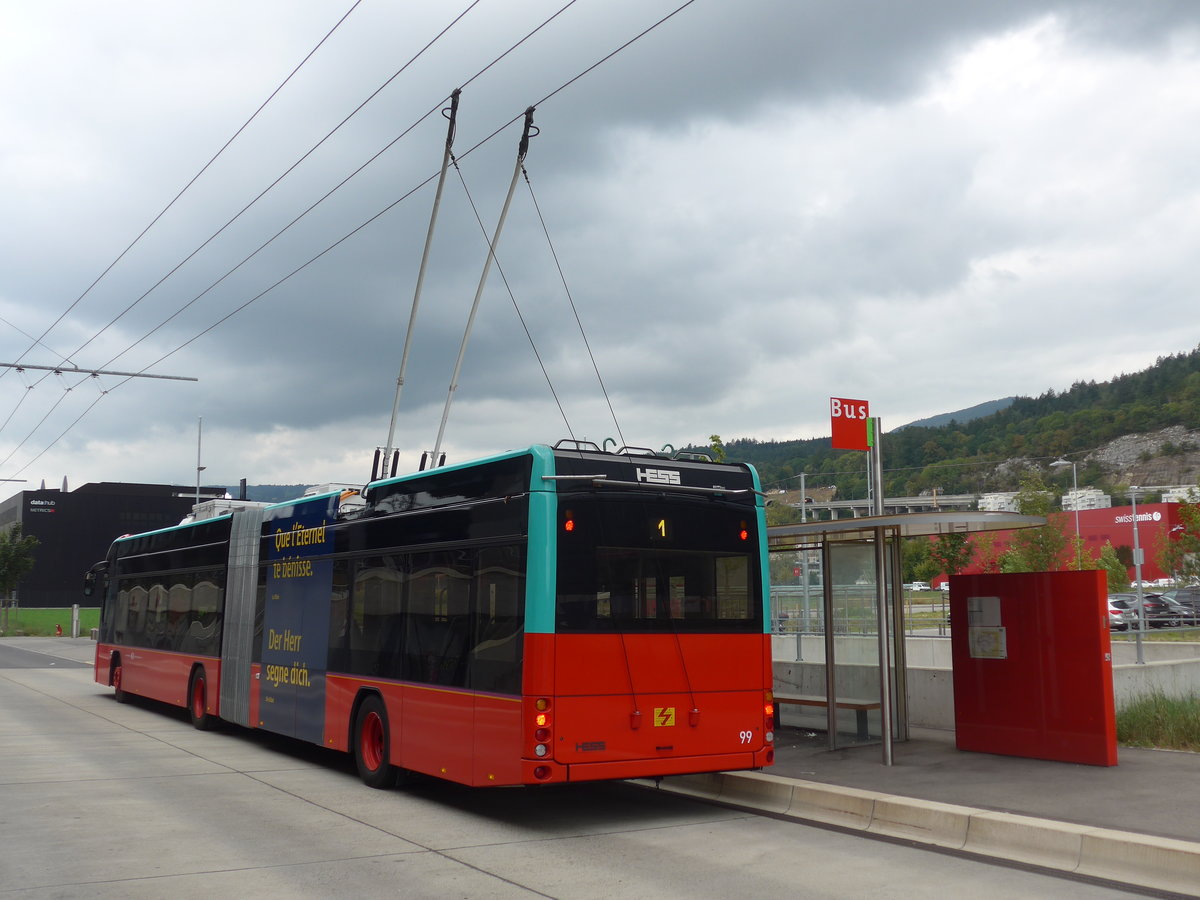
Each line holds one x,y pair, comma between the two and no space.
118,694
372,744
197,698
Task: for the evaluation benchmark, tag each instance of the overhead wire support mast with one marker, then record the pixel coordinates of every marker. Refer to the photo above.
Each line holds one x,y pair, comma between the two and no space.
522,149
75,370
451,113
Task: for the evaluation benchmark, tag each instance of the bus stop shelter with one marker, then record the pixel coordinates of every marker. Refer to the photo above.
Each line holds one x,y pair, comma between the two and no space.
851,599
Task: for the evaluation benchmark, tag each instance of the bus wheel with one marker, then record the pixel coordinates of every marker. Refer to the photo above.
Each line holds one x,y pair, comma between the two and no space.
371,744
119,695
198,701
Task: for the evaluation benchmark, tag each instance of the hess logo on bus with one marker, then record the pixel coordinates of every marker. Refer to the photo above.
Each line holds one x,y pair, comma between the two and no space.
658,476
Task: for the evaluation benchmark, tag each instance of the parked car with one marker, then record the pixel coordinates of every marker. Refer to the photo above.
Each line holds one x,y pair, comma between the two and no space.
1120,615
1188,601
1160,611
919,586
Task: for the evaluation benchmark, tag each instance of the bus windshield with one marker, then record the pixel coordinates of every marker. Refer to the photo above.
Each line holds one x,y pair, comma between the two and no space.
657,565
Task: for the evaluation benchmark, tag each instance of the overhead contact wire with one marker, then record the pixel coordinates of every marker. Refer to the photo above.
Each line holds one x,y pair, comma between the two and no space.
391,205
185,188
272,186
512,297
571,300
337,187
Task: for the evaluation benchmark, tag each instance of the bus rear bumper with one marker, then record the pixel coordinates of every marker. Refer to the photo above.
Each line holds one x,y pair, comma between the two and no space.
549,772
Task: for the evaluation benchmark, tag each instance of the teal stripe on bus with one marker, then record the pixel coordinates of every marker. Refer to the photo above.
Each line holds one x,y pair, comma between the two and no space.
179,527
473,464
760,510
542,555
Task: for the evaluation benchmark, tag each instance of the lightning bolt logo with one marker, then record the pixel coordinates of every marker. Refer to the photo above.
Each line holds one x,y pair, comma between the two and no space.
664,716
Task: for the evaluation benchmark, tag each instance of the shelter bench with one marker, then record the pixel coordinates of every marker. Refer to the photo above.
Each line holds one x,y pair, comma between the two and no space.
860,707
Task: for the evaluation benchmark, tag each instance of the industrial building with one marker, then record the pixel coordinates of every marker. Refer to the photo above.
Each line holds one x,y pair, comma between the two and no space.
75,528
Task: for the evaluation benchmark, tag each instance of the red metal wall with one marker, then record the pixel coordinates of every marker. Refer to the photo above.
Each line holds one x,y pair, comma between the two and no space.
1037,681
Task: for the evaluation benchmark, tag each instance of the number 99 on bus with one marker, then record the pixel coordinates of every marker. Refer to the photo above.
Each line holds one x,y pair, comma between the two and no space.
746,736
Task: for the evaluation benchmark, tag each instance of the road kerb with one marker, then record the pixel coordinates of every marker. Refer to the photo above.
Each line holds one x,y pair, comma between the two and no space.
843,807
769,793
1038,842
940,824
1160,863
707,786
1157,863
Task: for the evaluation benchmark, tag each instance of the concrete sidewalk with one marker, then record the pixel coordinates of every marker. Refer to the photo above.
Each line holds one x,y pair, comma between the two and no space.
1137,823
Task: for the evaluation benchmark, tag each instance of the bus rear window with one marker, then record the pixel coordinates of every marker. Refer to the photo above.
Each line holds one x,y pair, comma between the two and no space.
656,565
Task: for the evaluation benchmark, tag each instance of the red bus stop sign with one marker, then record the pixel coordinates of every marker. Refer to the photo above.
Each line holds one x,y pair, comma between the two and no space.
851,424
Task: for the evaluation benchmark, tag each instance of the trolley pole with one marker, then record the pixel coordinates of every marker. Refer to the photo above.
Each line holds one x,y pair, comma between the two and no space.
522,149
451,113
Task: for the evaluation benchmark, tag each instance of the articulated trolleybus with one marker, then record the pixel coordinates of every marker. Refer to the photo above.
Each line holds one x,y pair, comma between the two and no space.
547,615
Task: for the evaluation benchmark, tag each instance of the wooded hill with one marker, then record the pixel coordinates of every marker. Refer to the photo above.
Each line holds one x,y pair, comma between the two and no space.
989,453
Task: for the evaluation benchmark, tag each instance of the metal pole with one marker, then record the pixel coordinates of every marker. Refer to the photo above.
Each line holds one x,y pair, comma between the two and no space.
804,552
412,316
830,651
75,370
1075,503
1137,574
462,350
875,455
199,468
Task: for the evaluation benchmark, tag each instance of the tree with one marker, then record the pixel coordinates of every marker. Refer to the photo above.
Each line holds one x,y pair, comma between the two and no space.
1034,549
952,552
916,561
16,558
1118,575
988,558
717,446
1178,552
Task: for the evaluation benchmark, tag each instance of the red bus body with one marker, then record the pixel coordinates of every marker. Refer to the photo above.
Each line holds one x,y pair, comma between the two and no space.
652,699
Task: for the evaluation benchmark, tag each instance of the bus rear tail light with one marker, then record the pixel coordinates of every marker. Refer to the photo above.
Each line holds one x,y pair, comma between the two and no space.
541,772
542,730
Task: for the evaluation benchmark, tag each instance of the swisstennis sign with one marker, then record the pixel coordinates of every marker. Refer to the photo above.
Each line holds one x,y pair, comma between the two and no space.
851,422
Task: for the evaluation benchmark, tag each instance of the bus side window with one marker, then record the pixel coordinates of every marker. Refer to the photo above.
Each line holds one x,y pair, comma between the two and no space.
439,623
340,622
495,659
376,606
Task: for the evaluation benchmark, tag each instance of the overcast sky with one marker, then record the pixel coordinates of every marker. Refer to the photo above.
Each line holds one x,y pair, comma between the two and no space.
756,206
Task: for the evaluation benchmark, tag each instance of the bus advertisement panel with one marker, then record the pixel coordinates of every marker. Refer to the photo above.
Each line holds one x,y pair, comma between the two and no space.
295,643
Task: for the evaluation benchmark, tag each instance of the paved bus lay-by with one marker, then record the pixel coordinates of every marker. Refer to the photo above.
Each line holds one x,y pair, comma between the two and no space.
548,615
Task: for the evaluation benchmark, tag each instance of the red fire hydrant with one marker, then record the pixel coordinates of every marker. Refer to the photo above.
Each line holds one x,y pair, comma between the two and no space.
58,631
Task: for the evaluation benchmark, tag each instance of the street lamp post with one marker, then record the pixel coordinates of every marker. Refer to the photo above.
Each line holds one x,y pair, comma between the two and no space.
1137,574
1057,464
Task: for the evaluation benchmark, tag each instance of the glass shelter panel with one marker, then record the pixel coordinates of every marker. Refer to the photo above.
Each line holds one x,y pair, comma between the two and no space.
852,644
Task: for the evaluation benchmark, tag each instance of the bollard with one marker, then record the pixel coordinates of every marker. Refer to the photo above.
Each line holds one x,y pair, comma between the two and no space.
75,620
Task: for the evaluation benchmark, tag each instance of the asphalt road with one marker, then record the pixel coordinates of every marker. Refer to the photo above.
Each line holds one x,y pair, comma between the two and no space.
99,799
12,657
